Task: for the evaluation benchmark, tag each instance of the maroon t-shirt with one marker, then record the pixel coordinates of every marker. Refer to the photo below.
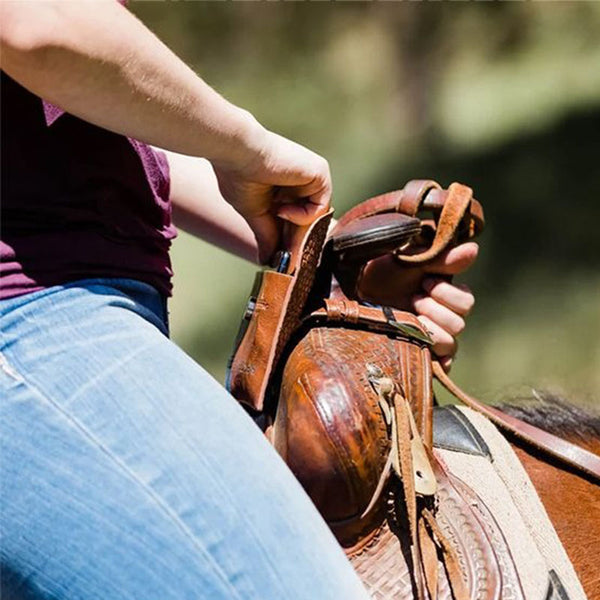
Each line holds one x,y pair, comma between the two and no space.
78,201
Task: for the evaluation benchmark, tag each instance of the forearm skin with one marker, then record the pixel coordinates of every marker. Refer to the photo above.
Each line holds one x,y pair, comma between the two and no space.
200,209
97,61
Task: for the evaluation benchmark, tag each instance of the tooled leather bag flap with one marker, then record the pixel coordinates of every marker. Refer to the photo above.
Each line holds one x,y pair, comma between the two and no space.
399,327
273,311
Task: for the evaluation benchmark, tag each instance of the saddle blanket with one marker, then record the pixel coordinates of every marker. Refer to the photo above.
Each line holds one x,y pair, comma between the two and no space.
489,465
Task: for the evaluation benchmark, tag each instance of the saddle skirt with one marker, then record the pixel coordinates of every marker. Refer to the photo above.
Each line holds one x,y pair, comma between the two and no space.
491,514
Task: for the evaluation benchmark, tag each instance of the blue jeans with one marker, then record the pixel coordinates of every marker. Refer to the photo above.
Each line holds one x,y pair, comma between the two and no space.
128,472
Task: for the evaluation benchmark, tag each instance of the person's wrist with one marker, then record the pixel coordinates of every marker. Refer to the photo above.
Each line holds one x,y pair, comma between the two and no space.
246,143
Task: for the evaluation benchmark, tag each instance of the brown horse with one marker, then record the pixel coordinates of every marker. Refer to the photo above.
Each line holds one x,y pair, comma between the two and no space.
571,499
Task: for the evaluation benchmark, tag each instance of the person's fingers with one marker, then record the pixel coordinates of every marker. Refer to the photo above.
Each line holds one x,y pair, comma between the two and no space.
446,363
318,188
303,204
304,210
439,314
454,261
443,343
266,232
457,297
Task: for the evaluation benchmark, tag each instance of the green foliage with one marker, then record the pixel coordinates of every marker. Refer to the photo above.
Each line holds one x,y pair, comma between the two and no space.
502,96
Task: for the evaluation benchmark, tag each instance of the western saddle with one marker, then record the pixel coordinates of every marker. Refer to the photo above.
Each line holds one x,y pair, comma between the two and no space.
344,391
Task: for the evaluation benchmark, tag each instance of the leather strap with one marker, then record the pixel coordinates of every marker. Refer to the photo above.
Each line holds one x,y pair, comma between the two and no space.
456,206
382,319
425,534
417,195
570,454
455,217
408,200
451,561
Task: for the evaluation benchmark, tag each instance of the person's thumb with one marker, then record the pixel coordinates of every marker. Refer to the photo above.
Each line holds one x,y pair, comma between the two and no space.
454,261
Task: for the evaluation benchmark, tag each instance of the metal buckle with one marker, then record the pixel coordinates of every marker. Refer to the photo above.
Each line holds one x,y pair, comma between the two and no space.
408,330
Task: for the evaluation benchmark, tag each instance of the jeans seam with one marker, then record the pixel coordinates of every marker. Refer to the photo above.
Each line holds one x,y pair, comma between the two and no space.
118,365
9,369
120,464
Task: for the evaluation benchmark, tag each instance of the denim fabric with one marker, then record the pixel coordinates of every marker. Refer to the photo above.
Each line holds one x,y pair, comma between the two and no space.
128,472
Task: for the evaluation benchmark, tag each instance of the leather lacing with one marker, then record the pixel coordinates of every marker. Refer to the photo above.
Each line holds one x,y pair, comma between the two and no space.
428,544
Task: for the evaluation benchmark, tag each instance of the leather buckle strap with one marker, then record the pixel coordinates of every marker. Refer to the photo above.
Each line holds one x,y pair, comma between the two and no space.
455,208
382,319
416,196
407,329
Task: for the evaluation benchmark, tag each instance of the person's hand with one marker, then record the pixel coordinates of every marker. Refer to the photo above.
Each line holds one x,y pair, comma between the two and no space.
282,180
440,305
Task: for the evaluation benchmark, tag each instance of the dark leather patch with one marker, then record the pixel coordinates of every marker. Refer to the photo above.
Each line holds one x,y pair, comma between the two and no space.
556,590
453,431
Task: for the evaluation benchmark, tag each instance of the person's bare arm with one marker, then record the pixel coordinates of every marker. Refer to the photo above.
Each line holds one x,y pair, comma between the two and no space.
98,62
200,209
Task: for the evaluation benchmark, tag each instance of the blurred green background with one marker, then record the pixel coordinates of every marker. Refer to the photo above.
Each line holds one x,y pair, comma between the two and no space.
502,96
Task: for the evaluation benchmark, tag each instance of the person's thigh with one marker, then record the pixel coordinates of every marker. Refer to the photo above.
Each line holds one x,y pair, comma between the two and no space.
128,472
